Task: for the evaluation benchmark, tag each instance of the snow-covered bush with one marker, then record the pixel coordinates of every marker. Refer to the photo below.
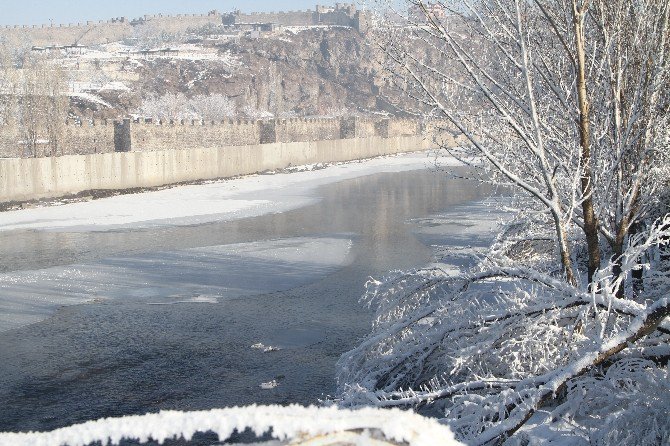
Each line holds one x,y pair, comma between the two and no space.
168,106
178,106
491,348
212,107
566,103
626,404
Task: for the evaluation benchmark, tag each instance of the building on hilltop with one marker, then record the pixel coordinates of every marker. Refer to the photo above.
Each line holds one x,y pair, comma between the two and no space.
342,14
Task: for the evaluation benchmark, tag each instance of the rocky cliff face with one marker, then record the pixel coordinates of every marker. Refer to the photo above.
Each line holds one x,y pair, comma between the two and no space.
313,72
303,72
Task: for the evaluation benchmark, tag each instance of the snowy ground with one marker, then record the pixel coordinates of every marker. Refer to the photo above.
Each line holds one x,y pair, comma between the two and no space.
248,196
293,425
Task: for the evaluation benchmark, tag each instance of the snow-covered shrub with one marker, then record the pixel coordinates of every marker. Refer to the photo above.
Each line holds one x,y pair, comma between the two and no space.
212,107
489,349
178,106
168,106
627,404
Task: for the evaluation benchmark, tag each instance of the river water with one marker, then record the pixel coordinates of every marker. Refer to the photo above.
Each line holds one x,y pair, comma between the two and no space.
178,309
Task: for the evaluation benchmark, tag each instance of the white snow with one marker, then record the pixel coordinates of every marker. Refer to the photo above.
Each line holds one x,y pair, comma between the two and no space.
218,201
115,86
91,98
295,424
116,51
265,348
299,29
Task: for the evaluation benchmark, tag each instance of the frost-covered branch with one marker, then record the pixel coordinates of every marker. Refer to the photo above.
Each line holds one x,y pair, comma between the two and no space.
493,347
295,424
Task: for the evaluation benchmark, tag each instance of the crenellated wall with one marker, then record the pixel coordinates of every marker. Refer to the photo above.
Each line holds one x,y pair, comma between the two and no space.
180,23
105,31
365,127
342,14
146,135
77,138
307,129
88,137
287,18
89,33
399,127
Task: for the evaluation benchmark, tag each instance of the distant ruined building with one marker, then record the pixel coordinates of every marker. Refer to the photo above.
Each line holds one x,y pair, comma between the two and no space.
101,32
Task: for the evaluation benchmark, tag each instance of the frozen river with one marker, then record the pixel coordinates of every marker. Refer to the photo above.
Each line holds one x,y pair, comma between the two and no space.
230,293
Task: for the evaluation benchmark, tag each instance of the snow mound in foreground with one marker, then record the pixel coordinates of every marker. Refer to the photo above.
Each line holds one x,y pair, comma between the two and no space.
300,425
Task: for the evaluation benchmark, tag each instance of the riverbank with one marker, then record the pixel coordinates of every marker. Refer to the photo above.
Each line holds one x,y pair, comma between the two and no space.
97,194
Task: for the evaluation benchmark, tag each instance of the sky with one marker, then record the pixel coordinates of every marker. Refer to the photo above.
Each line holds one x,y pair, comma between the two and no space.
37,12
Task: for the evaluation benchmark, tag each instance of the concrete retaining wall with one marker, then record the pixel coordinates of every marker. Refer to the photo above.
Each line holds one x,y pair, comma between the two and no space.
32,178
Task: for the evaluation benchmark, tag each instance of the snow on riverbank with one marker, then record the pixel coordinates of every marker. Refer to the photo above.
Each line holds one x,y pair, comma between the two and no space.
248,196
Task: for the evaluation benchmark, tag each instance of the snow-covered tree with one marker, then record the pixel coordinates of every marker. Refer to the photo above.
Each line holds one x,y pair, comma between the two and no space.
213,107
168,106
506,343
566,102
34,105
178,106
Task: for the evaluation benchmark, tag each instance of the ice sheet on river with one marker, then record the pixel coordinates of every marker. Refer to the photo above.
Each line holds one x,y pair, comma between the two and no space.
198,276
462,234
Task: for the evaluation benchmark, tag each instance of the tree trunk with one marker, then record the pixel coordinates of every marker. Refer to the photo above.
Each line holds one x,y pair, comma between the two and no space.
617,252
637,274
564,249
590,220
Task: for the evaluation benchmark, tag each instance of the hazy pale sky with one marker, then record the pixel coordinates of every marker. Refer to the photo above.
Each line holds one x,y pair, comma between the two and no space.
36,12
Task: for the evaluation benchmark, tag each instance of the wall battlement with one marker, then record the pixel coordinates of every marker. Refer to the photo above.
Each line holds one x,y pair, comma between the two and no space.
340,15
90,23
117,28
141,135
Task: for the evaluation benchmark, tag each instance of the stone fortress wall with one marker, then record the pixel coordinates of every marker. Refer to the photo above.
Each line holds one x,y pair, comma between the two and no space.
89,33
141,135
100,32
149,135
